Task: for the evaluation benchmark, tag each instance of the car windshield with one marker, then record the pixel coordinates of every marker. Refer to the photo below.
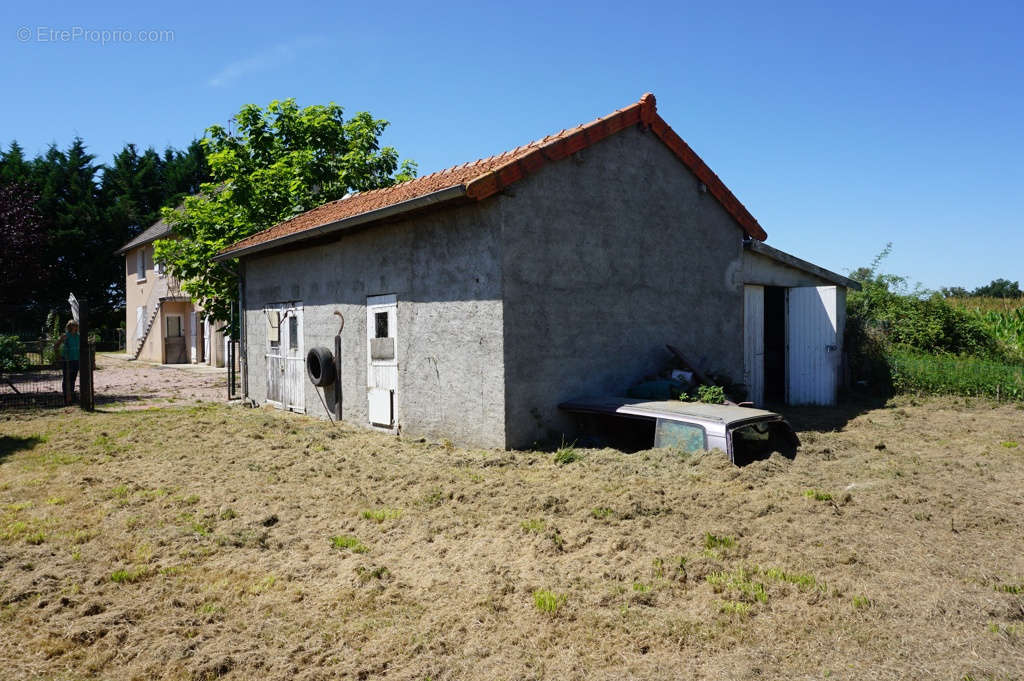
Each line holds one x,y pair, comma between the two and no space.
758,440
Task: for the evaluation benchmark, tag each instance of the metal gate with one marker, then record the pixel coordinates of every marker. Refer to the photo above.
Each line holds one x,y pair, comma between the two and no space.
286,369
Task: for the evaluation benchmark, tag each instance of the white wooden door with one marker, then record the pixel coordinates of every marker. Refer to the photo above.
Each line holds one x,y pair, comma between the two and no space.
193,337
753,343
812,351
382,359
286,370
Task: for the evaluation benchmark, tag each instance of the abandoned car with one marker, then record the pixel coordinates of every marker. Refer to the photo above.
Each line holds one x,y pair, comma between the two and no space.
631,424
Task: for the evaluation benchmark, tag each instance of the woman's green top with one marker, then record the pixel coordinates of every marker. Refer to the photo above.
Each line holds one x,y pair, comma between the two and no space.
71,346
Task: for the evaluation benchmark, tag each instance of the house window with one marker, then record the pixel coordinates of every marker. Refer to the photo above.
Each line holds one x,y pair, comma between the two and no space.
158,267
174,326
140,264
381,323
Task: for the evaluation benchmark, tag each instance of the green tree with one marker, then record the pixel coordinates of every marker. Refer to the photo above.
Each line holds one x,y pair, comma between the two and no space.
999,288
281,161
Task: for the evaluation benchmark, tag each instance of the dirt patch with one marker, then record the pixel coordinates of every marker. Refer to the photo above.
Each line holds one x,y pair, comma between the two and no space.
214,541
121,384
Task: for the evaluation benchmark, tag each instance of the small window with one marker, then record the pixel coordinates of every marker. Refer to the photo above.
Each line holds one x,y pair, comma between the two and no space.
381,322
293,332
158,268
140,264
688,437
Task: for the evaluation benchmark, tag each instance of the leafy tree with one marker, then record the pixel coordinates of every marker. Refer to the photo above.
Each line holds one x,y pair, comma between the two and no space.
22,243
999,288
283,160
954,292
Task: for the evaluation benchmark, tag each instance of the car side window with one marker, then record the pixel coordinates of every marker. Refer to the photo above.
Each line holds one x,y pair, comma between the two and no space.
688,437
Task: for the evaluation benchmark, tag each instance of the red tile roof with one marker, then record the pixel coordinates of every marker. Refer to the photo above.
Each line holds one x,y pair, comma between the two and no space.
485,177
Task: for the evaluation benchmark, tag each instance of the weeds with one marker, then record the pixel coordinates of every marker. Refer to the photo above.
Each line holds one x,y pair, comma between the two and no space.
818,495
566,454
549,602
381,514
739,581
1016,589
601,513
802,581
535,525
129,575
861,602
347,542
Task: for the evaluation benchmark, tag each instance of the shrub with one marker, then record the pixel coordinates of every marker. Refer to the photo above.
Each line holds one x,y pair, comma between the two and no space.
709,394
947,375
12,354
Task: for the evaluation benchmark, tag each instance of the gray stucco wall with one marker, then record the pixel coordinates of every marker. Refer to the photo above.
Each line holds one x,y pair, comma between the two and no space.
609,256
445,270
765,271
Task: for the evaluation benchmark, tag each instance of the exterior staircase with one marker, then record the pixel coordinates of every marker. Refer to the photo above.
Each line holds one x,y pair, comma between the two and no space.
167,288
141,340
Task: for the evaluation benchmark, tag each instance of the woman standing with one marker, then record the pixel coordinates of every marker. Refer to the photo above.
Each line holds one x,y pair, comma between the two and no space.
68,345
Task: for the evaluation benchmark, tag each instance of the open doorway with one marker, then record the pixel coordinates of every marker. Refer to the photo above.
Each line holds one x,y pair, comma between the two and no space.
774,344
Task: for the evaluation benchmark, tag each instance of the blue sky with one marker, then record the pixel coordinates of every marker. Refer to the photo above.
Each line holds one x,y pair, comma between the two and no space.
841,126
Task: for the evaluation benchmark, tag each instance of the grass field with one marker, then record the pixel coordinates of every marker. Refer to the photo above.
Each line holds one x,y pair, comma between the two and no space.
218,542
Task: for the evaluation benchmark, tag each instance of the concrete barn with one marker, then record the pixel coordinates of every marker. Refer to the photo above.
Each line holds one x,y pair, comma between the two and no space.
478,298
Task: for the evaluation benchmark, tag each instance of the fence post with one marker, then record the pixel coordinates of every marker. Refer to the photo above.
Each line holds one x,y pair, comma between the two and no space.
84,358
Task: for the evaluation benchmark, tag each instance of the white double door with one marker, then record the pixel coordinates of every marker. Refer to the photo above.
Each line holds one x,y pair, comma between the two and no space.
286,360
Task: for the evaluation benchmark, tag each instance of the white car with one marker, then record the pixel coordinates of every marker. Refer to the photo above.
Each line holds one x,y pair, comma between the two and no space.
744,433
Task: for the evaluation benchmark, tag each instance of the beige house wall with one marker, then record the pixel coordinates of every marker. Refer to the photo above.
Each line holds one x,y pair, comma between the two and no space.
144,287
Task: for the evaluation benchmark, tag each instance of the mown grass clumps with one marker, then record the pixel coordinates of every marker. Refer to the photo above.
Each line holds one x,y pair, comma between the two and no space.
549,602
818,495
347,542
860,601
801,581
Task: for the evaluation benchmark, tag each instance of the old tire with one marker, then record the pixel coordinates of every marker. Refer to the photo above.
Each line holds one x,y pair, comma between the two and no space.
320,366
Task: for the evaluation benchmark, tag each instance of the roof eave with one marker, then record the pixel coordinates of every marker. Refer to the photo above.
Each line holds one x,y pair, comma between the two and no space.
439,196
800,264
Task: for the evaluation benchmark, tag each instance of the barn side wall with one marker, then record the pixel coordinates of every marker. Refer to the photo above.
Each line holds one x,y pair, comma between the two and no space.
608,256
445,268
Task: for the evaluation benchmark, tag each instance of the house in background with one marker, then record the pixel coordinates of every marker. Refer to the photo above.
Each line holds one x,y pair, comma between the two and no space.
478,298
162,323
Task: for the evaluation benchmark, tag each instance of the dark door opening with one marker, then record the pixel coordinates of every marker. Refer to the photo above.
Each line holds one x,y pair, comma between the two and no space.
774,344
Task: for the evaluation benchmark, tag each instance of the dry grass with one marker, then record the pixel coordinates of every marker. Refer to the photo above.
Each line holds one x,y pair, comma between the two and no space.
214,541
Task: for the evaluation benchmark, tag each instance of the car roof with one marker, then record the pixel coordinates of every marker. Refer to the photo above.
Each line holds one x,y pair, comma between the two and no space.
725,414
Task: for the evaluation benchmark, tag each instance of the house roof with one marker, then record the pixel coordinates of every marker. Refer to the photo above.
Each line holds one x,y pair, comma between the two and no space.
485,177
157,230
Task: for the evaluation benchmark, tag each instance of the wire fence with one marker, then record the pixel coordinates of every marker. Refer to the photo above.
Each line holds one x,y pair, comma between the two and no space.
38,377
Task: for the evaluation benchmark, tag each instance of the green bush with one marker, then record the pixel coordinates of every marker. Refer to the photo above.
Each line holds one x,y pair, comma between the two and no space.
12,354
918,372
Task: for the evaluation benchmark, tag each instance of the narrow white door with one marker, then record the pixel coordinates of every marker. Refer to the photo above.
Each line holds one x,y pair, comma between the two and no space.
812,353
753,343
381,358
285,359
